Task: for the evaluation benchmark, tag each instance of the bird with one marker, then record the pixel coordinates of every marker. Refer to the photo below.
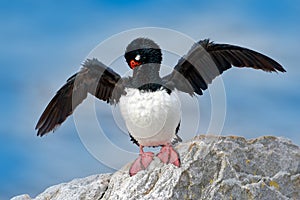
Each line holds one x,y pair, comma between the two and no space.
148,102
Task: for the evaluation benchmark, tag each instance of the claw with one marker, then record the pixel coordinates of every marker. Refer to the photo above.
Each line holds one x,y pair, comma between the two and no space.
142,162
168,155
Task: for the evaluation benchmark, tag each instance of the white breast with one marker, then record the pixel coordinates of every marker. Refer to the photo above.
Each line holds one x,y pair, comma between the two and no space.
151,117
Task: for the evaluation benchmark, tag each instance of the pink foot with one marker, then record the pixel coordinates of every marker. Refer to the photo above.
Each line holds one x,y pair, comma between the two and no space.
142,162
168,155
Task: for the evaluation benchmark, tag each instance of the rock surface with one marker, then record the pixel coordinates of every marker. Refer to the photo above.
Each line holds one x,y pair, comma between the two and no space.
212,168
92,187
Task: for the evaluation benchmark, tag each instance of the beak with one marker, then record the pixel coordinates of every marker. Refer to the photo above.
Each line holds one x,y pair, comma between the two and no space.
134,64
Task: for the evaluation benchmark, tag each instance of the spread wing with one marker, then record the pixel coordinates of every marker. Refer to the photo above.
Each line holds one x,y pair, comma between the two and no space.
94,78
206,60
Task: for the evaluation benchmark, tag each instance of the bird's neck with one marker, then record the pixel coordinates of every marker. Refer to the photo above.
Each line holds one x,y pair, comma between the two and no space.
146,73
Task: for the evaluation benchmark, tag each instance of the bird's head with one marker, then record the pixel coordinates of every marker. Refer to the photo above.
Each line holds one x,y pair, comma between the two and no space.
142,51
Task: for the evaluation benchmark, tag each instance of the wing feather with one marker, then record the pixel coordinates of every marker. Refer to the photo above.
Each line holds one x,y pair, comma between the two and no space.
207,60
94,78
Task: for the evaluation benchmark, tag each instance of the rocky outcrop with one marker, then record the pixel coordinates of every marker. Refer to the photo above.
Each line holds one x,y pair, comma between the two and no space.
92,187
212,168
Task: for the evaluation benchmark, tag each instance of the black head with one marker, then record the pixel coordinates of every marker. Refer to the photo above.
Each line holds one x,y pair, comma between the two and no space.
142,51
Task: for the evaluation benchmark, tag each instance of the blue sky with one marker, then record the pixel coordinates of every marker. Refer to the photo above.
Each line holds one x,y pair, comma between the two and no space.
44,42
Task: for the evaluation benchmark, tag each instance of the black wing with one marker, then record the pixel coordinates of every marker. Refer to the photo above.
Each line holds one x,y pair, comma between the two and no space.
207,60
94,78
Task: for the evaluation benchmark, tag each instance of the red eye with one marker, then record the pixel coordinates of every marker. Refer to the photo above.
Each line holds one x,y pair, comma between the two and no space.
134,64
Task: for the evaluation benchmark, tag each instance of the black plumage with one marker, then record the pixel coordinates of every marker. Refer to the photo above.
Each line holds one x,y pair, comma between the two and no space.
94,78
192,74
207,60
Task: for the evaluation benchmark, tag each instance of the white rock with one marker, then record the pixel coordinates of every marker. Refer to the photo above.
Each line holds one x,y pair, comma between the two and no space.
212,168
21,197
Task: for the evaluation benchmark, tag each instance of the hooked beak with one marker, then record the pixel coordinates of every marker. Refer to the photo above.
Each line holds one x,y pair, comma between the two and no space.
134,64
